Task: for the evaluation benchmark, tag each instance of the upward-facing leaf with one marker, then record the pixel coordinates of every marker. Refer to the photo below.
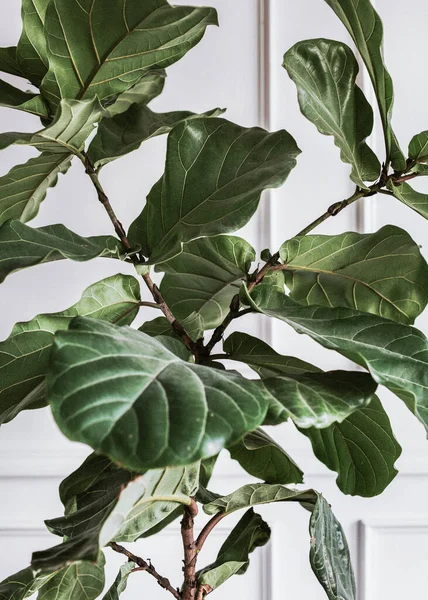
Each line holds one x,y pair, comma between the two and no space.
143,92
417,201
24,356
365,27
119,584
396,355
8,61
12,97
205,277
79,581
31,52
324,72
418,147
25,186
136,402
214,176
103,48
382,273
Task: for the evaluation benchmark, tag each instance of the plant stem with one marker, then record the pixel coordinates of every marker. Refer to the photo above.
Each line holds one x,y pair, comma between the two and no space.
190,552
145,566
207,529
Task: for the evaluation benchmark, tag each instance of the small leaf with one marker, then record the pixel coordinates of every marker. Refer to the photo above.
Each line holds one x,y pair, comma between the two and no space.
417,201
362,450
158,327
79,581
72,125
205,277
25,186
125,132
22,246
214,176
234,556
143,92
135,411
112,45
418,147
396,355
31,51
382,273
12,97
120,583
8,61
263,458
324,72
366,30
24,356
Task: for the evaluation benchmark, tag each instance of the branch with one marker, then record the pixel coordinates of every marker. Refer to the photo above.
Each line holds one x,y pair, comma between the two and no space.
145,566
190,552
207,529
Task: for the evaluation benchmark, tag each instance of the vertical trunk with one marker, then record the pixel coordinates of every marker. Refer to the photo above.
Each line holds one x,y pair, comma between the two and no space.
190,552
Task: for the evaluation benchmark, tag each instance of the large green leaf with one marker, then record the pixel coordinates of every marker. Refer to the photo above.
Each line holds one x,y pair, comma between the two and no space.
329,554
263,458
137,401
214,176
8,61
120,583
12,97
234,556
125,132
24,356
396,355
362,450
417,201
418,147
143,92
21,246
205,277
79,581
103,48
72,125
25,186
31,51
382,273
324,72
262,358
22,585
366,30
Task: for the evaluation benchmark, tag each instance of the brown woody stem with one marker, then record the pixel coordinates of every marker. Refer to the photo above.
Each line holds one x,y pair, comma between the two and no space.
207,530
190,552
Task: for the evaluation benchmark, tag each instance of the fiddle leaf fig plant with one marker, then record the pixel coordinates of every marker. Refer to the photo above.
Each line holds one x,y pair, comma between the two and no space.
157,405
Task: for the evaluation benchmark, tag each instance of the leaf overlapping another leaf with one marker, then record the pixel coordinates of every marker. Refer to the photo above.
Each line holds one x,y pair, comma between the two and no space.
214,176
143,92
24,356
12,97
31,51
8,61
415,200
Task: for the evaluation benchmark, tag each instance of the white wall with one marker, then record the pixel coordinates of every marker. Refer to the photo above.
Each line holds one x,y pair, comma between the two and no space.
237,66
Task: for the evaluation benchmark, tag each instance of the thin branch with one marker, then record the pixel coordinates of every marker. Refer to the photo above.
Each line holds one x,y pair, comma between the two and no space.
219,331
190,552
207,529
145,566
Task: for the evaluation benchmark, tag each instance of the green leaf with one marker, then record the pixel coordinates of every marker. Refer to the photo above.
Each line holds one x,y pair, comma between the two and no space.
120,583
21,585
365,28
362,450
263,458
417,201
418,147
205,277
158,327
262,358
12,97
8,61
329,555
124,133
25,186
214,176
72,125
234,556
382,273
324,72
79,581
396,355
22,246
104,48
31,51
143,92
135,411
24,356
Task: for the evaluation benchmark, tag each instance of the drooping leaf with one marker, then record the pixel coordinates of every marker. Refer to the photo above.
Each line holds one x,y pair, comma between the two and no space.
396,355
25,186
21,246
120,583
214,176
324,72
143,92
69,130
251,532
112,44
362,450
8,61
24,356
125,132
79,581
263,458
382,273
262,358
418,147
12,97
365,28
135,411
417,201
31,51
205,277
